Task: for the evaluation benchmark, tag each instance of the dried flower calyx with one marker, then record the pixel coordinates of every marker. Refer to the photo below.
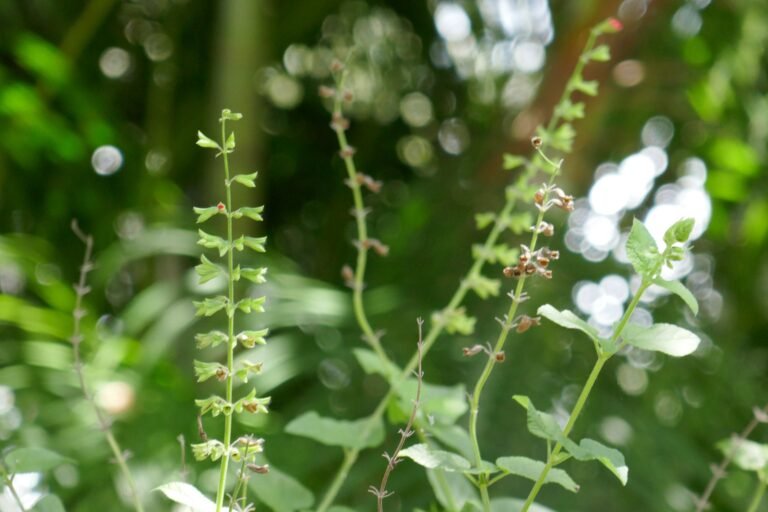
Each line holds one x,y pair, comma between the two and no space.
548,196
545,228
525,322
532,263
375,244
366,181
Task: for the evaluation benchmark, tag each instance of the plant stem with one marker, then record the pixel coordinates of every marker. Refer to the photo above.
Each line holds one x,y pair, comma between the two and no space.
475,270
758,496
81,289
719,472
231,328
9,483
602,358
358,285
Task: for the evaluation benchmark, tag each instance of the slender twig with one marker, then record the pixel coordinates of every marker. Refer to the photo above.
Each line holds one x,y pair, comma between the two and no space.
392,460
354,180
436,328
8,479
506,327
718,472
81,290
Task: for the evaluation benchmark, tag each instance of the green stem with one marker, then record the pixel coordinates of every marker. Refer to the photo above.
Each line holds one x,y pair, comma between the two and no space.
362,229
9,483
758,496
231,328
475,270
602,358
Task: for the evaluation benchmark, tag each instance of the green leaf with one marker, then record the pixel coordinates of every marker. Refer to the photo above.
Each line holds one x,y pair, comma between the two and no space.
484,287
249,304
681,291
230,116
249,339
483,220
588,87
206,142
204,371
563,138
601,54
203,214
456,321
609,457
253,213
207,270
569,320
642,250
50,503
212,242
679,232
748,455
246,369
541,424
188,495
28,460
442,404
280,491
255,275
513,161
371,363
667,338
334,432
519,222
462,492
570,111
255,244
515,505
210,339
209,306
453,436
531,469
430,458
249,180
229,145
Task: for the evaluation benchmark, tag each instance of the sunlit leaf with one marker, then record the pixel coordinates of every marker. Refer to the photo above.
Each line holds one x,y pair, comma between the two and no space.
280,491
188,495
667,338
531,469
338,432
431,458
642,250
681,291
27,460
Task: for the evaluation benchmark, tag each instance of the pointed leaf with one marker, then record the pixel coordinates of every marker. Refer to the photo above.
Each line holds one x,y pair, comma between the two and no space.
28,460
253,213
209,306
642,250
50,503
531,469
203,214
484,287
188,495
212,242
210,339
513,161
207,270
587,87
249,180
249,304
430,458
255,244
483,220
206,142
372,364
569,320
681,291
611,458
679,232
230,144
280,491
334,432
601,54
255,275
667,338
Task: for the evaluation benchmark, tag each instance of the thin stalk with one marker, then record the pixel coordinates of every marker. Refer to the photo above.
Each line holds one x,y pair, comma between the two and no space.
436,329
381,492
230,328
758,496
499,346
602,358
346,152
9,483
719,472
81,289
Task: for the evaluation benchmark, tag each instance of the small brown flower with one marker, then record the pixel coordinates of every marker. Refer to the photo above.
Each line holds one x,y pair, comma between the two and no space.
348,275
221,374
347,152
536,142
500,357
336,66
472,351
260,470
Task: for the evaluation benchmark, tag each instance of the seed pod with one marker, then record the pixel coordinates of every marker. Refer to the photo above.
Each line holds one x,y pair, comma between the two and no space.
500,357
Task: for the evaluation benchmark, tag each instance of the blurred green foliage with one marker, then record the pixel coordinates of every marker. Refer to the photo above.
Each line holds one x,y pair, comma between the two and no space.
60,100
